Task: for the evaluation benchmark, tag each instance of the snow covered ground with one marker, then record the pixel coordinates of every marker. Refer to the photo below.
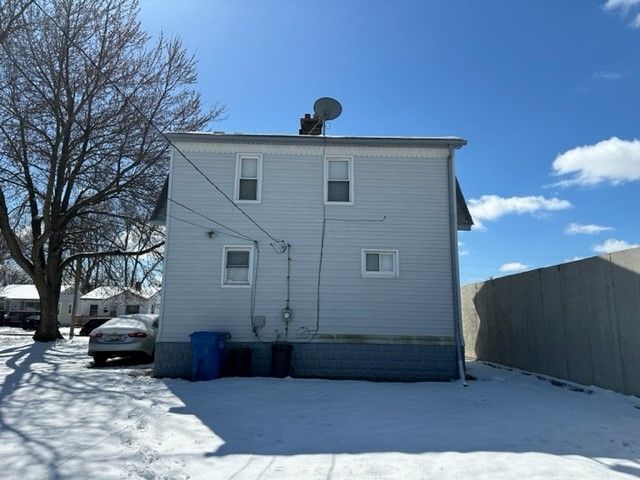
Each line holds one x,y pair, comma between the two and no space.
60,419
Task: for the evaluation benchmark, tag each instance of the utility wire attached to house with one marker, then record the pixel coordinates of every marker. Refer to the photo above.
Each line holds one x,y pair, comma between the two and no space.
281,243
206,228
186,207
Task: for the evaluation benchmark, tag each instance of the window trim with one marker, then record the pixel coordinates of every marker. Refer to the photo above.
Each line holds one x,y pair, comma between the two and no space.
396,263
223,272
236,189
349,159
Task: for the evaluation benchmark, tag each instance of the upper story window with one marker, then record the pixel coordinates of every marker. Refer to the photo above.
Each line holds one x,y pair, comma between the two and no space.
380,263
237,266
338,173
248,178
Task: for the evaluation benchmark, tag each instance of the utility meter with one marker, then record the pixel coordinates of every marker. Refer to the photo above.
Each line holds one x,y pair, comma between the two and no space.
287,315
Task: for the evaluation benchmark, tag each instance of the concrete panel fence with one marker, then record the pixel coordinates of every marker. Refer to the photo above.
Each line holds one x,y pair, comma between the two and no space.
579,321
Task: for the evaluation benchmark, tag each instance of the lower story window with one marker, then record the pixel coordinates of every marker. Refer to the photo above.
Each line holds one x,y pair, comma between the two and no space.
130,309
93,310
379,263
237,266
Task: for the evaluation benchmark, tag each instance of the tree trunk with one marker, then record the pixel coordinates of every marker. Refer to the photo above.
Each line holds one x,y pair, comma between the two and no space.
47,330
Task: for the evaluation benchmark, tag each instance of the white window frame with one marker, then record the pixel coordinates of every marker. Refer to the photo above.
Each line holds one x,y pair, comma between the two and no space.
244,248
236,191
349,159
396,263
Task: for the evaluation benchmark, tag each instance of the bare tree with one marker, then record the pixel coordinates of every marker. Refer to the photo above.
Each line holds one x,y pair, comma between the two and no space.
79,82
9,271
125,234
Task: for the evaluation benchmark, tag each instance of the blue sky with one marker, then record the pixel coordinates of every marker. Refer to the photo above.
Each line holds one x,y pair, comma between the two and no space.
526,83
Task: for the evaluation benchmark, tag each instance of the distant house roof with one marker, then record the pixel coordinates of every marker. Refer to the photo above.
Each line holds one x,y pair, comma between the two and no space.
21,292
104,293
26,292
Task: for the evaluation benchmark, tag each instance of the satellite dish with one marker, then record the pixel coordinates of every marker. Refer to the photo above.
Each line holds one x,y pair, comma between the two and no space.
327,108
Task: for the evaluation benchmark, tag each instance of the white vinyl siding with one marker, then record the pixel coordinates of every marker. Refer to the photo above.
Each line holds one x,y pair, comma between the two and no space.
379,263
248,183
237,266
338,185
415,208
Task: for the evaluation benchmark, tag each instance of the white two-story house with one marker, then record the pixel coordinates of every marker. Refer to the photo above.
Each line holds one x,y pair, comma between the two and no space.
347,252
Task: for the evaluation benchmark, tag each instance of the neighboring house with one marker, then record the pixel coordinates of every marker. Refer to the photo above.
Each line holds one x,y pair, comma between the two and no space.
154,298
65,305
112,301
381,212
20,301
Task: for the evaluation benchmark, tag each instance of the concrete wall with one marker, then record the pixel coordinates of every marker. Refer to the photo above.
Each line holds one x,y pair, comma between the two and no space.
578,321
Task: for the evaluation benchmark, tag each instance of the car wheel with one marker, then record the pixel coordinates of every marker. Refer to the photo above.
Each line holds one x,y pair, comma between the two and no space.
99,360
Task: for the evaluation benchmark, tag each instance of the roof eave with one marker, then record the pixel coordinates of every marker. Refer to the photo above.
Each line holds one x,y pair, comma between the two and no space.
426,142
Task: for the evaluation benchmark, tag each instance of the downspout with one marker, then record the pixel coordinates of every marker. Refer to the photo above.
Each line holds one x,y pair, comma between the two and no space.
455,273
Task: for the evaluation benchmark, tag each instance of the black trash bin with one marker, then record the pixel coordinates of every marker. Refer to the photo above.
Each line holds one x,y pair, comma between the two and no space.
281,359
238,362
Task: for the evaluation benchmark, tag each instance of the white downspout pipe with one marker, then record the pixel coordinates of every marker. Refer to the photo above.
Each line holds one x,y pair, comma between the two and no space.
455,272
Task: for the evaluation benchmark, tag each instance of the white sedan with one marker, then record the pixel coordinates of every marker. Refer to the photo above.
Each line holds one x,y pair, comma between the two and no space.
124,336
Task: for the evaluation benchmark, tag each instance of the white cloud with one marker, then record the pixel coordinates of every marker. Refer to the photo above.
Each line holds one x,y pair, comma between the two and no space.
590,229
513,267
614,161
573,259
623,5
462,252
492,207
608,75
612,245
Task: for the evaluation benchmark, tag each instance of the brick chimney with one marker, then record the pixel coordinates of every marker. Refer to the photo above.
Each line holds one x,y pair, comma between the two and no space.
310,125
138,286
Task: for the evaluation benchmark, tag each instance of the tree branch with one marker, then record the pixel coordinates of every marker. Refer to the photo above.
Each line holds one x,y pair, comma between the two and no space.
109,253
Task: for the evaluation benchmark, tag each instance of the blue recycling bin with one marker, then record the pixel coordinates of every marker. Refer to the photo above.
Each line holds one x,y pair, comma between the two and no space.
208,352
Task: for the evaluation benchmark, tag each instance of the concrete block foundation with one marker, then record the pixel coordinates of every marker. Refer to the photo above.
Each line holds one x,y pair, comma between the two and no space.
380,362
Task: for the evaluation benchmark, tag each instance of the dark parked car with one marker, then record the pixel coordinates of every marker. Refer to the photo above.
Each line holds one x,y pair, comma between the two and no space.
92,324
31,322
14,319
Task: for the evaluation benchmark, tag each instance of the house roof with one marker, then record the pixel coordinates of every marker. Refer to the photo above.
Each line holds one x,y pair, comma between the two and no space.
22,292
465,222
26,292
381,141
103,293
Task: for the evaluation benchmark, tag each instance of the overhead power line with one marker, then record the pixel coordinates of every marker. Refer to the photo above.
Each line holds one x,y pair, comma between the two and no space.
154,126
204,227
186,207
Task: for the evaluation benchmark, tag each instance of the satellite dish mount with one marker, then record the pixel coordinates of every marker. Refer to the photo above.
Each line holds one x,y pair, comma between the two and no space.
327,108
